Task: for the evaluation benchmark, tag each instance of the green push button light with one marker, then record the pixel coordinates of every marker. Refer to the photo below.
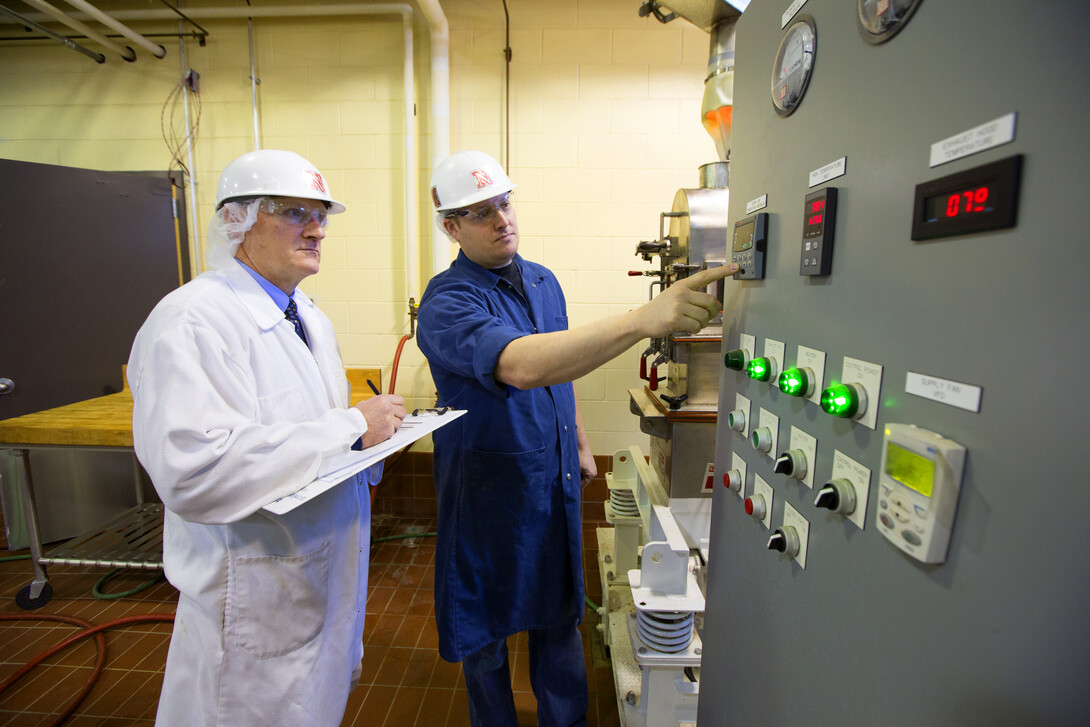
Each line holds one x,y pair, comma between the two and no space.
847,401
735,359
759,369
794,382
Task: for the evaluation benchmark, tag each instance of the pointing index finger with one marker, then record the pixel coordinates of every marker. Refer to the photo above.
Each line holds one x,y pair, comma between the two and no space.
705,278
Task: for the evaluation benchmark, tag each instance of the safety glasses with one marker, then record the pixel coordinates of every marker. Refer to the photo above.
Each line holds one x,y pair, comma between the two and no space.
482,214
294,213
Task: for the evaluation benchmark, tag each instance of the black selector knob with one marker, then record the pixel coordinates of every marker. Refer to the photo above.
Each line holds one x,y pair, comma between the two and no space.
837,495
791,463
785,540
828,498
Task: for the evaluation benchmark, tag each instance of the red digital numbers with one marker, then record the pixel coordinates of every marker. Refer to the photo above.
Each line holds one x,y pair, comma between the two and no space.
815,219
967,202
817,206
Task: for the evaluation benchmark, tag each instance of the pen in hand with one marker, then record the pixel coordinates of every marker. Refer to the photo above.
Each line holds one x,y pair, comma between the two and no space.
373,387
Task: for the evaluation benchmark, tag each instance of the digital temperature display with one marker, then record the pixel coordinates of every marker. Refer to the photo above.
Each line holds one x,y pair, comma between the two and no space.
984,198
818,224
959,203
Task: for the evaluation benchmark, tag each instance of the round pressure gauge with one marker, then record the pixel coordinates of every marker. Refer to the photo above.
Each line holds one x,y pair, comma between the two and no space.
880,20
794,65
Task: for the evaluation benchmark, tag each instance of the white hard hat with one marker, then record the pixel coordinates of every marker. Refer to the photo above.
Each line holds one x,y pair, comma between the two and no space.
273,173
465,178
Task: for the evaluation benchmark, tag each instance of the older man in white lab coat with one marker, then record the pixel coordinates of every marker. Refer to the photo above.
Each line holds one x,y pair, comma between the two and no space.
237,403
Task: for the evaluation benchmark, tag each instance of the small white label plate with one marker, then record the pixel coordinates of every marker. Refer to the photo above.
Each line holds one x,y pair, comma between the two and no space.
762,488
756,204
847,468
986,136
814,360
944,391
737,463
772,422
870,377
805,442
793,519
832,170
790,12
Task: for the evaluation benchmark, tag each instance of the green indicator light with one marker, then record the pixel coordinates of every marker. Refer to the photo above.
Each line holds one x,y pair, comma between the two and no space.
759,369
793,382
840,400
735,359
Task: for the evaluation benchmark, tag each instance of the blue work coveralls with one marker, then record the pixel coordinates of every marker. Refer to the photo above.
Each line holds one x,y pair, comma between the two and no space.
508,555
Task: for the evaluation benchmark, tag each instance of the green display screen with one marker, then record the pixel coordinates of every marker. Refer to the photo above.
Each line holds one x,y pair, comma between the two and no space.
910,469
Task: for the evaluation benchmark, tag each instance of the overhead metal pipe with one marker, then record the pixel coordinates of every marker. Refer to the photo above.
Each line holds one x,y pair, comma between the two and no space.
157,50
27,23
127,53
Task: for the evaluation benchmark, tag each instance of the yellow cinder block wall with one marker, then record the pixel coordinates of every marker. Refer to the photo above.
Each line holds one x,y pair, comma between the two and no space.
604,127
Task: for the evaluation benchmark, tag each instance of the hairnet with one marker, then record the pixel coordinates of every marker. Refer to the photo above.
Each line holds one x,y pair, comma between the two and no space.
225,232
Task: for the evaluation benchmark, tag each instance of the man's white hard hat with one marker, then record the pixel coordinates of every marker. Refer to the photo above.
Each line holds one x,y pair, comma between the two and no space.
465,178
274,173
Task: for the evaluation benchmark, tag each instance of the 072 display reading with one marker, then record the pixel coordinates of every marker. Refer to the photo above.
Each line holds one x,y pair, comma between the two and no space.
961,203
975,200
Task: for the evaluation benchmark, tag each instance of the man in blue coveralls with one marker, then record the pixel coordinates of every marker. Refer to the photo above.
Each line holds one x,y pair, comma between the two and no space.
508,474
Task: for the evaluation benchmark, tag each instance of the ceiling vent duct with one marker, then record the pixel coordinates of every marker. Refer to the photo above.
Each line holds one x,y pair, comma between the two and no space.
718,17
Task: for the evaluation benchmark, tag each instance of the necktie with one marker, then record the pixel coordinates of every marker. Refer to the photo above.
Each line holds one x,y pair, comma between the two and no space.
292,314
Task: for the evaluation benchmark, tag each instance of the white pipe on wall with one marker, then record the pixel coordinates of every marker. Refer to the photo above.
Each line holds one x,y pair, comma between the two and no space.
195,266
439,118
157,50
411,198
127,53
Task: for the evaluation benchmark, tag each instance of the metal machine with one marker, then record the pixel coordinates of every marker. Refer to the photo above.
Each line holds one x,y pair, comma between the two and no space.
652,560
898,530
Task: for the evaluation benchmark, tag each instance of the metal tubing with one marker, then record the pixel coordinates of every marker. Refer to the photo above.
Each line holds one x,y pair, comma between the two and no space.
126,53
96,57
157,50
253,84
30,514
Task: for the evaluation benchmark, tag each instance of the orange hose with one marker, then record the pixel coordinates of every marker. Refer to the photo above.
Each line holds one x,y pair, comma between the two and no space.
393,383
89,630
397,360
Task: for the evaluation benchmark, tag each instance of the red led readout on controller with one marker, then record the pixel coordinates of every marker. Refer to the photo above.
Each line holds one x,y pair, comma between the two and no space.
967,202
817,212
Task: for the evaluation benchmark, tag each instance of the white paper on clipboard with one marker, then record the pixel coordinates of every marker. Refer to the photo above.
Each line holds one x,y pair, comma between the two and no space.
337,469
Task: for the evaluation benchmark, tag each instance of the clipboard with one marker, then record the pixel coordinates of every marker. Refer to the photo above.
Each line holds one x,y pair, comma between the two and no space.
337,469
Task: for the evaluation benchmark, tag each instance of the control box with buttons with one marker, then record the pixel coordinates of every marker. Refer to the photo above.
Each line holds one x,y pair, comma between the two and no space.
818,224
918,490
748,247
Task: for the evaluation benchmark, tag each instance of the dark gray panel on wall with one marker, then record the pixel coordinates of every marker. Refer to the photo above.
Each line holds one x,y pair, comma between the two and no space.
865,635
84,256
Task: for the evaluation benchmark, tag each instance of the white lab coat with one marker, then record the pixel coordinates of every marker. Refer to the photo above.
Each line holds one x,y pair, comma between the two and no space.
232,411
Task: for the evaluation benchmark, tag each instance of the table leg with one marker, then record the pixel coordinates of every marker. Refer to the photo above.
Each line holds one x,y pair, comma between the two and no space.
30,514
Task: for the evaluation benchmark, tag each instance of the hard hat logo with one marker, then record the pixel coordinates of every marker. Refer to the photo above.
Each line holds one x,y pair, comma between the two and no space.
435,196
316,182
483,180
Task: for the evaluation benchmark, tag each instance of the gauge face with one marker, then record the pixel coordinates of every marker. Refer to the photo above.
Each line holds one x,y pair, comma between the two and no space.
880,20
794,65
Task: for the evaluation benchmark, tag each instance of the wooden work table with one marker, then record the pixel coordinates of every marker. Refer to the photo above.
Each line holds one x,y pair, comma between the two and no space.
107,420
133,539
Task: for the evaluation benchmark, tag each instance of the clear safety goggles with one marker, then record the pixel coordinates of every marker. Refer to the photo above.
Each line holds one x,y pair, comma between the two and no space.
294,213
482,214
